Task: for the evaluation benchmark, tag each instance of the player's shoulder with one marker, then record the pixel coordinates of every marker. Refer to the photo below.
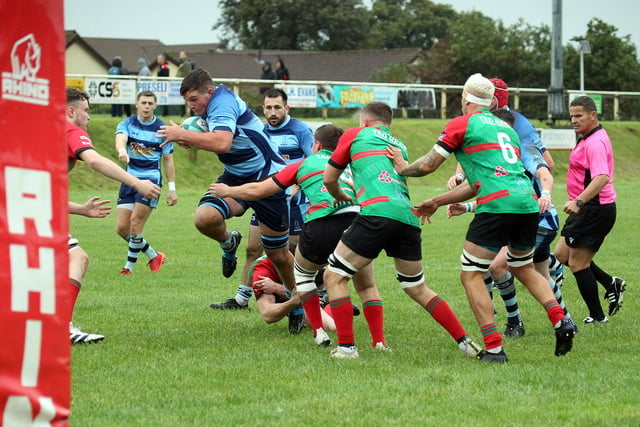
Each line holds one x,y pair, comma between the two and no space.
76,133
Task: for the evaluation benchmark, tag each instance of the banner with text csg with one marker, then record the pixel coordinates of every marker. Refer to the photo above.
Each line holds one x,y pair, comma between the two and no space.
34,308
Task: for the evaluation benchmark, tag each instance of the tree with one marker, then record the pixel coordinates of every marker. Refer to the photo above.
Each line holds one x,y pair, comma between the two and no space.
294,25
613,62
409,23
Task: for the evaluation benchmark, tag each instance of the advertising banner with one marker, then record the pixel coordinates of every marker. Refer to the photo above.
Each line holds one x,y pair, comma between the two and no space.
355,96
167,91
110,90
34,306
301,96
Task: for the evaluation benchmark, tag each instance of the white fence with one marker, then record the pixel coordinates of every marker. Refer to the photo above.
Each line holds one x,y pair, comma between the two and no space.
105,89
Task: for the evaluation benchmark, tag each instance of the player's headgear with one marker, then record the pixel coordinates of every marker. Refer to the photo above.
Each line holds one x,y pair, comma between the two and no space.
501,93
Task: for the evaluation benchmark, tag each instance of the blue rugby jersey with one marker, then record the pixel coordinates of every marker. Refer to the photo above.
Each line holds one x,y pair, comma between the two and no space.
144,148
253,155
293,138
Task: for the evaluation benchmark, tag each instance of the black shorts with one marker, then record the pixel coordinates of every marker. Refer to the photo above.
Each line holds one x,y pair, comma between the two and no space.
320,237
493,231
589,227
368,235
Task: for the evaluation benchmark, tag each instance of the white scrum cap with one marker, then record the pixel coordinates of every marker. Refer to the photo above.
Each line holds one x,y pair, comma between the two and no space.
479,90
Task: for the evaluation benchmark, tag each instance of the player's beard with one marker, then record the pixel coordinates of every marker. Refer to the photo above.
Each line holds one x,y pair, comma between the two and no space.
275,121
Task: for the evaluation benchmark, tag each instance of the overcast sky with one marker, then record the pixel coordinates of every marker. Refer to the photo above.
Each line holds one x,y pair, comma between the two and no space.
191,21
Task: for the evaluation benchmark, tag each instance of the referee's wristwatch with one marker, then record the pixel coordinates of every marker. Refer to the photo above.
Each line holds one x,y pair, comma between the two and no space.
579,203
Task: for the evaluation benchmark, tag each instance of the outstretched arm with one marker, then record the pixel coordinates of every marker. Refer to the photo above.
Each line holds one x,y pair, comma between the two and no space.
92,208
421,167
111,170
460,193
249,191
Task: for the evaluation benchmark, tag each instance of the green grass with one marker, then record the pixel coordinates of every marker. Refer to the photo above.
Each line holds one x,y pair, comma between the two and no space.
169,360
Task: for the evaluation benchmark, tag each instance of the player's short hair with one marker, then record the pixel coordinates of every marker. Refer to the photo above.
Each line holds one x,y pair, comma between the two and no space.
276,93
380,111
76,95
505,115
328,136
479,90
197,79
147,93
585,102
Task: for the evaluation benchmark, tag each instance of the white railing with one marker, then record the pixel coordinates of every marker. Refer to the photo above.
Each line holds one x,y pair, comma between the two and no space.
101,90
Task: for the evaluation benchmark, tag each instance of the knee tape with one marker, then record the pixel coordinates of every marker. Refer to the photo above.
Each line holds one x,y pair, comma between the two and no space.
218,203
340,266
305,279
520,260
473,263
410,281
271,242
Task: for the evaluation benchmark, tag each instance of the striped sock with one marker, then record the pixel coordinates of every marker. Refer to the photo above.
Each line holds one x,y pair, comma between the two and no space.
555,312
342,311
311,306
442,313
492,338
374,314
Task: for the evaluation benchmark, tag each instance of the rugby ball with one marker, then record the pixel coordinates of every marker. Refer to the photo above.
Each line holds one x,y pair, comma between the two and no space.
195,123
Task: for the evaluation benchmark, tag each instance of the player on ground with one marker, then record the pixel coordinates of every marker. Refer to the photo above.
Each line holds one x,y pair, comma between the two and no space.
138,147
324,225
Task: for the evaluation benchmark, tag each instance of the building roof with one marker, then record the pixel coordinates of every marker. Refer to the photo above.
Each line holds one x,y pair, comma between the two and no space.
128,49
355,65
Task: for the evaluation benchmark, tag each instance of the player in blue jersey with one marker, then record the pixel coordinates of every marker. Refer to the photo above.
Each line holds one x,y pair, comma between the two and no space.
237,136
139,148
295,142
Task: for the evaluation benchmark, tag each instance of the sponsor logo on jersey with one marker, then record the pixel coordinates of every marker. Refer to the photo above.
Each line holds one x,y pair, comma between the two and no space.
22,83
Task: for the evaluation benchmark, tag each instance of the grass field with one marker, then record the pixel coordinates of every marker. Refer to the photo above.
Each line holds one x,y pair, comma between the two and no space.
169,360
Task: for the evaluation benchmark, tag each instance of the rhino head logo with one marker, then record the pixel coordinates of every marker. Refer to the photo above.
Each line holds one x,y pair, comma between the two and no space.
25,58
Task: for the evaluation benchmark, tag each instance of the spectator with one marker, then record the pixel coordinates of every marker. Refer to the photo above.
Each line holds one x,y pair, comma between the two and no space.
163,71
267,74
282,73
125,107
186,66
143,68
116,70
